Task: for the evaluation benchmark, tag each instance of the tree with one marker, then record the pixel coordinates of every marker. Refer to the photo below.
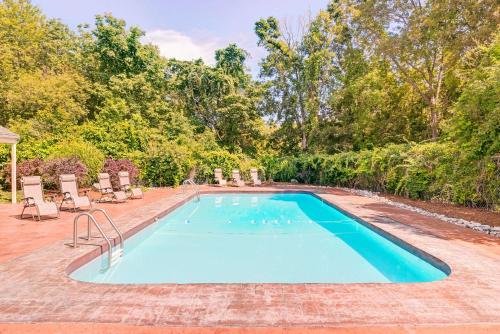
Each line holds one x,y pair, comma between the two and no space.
475,124
34,54
231,60
424,41
284,66
118,65
300,69
221,98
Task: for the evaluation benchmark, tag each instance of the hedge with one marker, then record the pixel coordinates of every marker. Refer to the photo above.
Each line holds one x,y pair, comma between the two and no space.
425,171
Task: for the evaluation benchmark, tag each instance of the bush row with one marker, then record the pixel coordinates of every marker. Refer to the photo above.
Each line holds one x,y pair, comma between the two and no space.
50,170
425,171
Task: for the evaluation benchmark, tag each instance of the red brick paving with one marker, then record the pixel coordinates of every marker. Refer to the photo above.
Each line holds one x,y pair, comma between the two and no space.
36,289
32,235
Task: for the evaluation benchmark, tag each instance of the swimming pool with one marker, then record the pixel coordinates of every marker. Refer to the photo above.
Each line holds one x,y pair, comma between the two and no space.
260,238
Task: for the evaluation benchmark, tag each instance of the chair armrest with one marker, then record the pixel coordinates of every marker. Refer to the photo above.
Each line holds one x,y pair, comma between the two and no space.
28,199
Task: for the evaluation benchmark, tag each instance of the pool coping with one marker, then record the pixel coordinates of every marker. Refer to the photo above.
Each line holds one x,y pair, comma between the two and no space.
103,246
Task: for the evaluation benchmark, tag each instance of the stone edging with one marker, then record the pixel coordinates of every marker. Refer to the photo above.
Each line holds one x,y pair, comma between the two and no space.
487,229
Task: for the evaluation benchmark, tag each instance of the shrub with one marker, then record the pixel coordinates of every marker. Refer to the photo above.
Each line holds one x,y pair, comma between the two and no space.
112,167
208,161
48,170
55,167
87,153
25,168
426,171
167,165
269,166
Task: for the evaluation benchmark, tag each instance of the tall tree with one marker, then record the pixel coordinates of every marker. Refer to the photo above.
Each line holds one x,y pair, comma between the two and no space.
424,41
300,69
34,54
122,68
221,98
231,60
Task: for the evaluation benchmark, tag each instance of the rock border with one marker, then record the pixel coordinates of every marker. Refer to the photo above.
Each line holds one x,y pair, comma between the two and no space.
487,229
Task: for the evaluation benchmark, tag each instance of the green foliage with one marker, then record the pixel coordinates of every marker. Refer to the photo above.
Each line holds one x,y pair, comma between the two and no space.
220,98
425,171
59,96
424,42
118,138
475,123
208,161
232,62
166,165
33,53
6,196
87,153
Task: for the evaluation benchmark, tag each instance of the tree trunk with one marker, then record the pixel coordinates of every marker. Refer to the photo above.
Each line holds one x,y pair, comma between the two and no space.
304,139
434,121
435,102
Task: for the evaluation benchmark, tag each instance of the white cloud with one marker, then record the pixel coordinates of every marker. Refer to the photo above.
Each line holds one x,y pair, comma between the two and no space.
175,44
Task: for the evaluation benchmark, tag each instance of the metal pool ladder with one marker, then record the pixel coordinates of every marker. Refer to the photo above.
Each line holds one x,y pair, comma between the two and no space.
190,182
113,256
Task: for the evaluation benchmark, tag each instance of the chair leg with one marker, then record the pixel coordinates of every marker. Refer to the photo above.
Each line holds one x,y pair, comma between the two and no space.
38,213
22,213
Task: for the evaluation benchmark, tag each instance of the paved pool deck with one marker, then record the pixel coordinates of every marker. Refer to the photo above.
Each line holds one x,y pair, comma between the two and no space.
37,295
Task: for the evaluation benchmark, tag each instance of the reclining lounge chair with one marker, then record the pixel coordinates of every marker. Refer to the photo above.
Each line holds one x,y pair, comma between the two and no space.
33,199
107,191
125,186
219,178
71,197
237,181
254,174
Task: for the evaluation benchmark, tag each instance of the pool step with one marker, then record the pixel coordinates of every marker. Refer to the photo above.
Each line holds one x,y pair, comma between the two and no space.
116,255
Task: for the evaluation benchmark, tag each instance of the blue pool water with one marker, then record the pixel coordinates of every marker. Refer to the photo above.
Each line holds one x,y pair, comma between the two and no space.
265,238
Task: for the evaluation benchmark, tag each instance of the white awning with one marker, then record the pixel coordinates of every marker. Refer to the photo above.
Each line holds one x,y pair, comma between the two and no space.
7,136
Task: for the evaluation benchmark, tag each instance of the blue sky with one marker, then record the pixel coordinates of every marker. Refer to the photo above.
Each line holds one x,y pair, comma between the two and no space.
189,29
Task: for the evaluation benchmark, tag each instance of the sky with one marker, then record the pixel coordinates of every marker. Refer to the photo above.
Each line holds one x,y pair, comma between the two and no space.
189,29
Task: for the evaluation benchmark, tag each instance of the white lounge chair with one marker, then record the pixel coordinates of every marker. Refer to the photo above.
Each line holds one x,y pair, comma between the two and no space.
33,198
219,178
132,192
106,189
237,181
71,196
254,174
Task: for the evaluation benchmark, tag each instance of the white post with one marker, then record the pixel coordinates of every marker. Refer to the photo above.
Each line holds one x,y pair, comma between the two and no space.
14,173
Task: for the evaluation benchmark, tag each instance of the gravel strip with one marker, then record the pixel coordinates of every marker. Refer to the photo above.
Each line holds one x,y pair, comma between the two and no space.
487,229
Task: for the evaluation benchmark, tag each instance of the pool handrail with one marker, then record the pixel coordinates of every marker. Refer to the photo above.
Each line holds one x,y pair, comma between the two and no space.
91,218
193,184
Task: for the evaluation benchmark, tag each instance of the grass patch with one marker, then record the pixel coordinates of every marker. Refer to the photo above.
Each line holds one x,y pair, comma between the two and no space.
5,196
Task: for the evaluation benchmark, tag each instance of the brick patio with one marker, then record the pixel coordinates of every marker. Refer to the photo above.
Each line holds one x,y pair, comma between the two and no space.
36,289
